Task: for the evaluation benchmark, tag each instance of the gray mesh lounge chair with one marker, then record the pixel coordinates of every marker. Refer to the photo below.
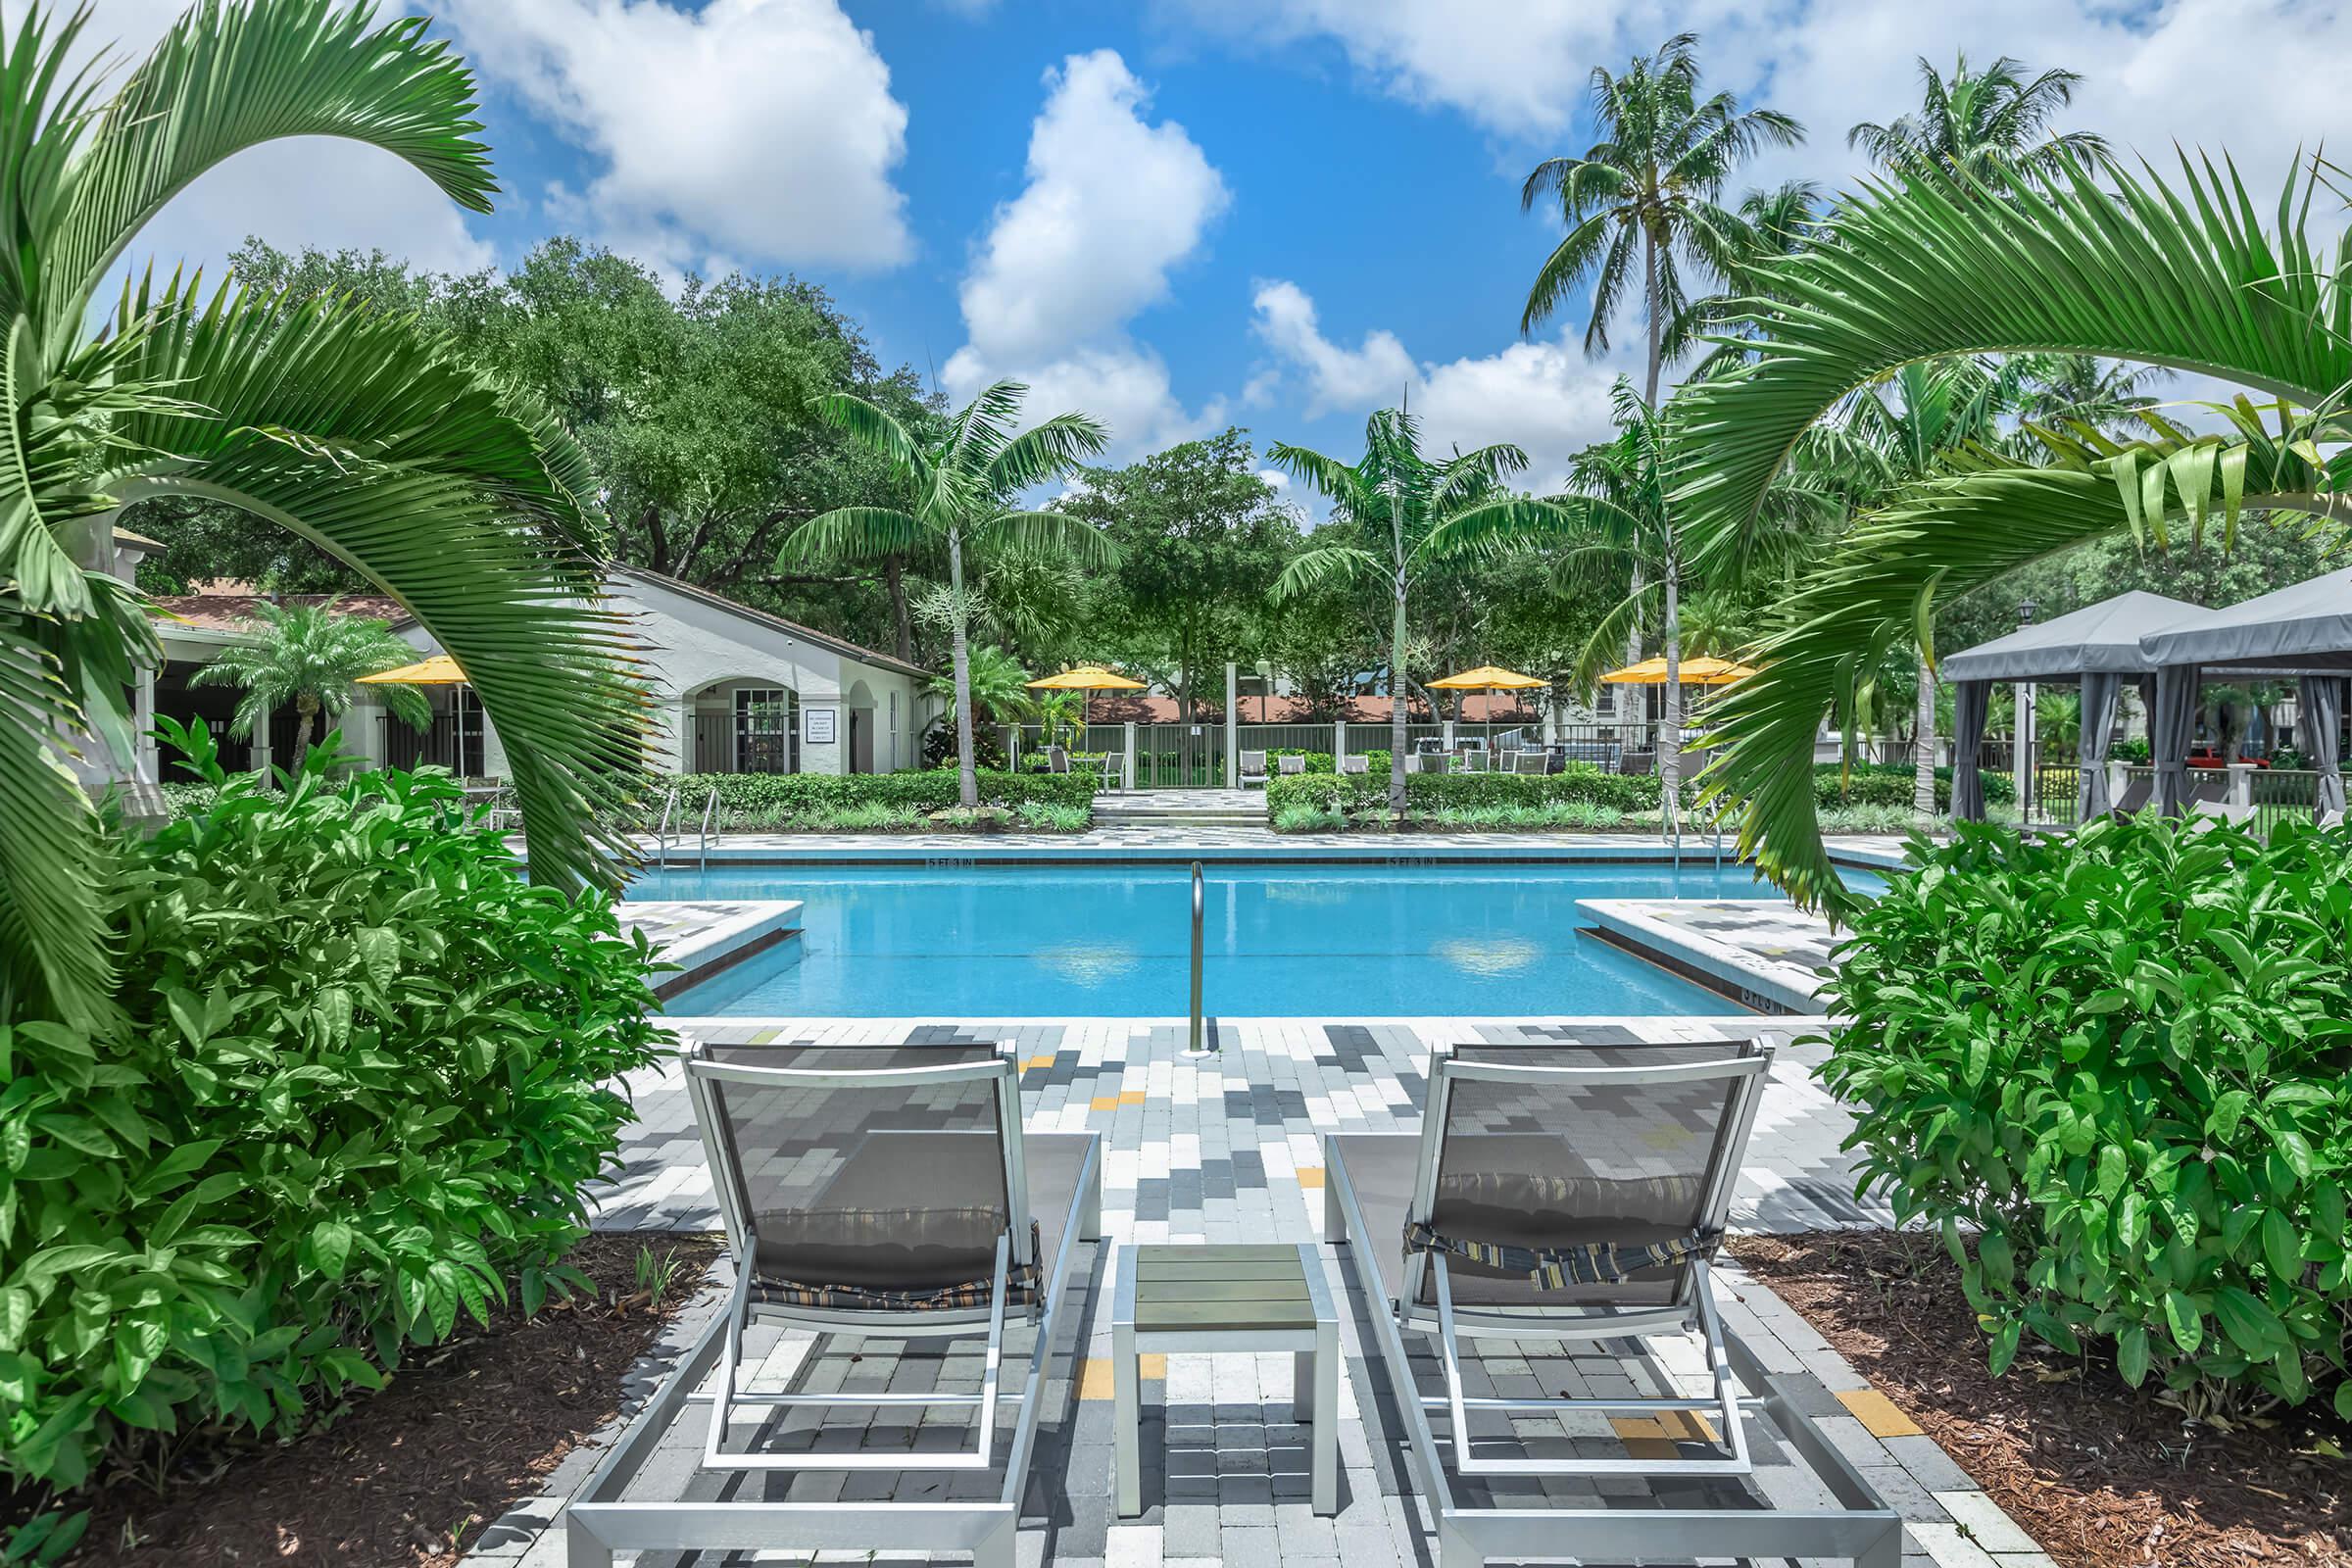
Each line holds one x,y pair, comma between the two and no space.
1251,768
1355,764
1291,764
885,1191
1530,761
1577,1194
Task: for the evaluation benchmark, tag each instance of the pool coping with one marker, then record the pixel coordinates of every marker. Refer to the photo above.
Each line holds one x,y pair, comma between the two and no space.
750,927
1753,981
1029,850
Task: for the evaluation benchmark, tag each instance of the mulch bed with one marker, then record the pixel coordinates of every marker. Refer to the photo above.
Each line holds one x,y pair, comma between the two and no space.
408,1477
2101,1474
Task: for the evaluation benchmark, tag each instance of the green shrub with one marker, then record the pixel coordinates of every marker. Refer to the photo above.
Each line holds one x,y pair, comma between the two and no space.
1367,793
1302,817
2120,1058
809,802
1891,784
1046,817
1868,818
356,1082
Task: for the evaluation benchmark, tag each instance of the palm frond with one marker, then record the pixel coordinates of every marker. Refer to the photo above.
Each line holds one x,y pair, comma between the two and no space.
1331,564
52,938
874,428
1048,531
1328,477
226,77
1044,452
1508,524
852,533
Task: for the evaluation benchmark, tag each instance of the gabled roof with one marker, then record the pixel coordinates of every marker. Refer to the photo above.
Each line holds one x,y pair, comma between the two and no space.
760,617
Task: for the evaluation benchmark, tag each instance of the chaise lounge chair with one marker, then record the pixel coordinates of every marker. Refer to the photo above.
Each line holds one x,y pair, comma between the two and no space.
885,1192
1291,765
1578,1194
1249,769
1358,763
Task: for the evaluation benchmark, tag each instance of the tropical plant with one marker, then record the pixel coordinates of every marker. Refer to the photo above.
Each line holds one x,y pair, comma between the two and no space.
2111,1067
276,1165
963,478
312,656
1981,123
1648,187
2105,261
995,682
1394,504
355,429
1772,224
1059,717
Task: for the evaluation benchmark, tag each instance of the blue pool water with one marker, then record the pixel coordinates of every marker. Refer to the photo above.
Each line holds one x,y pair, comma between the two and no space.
1282,940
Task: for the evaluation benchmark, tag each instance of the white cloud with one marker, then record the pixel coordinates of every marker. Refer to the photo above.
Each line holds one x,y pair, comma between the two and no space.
1336,377
753,132
1112,206
1545,397
331,193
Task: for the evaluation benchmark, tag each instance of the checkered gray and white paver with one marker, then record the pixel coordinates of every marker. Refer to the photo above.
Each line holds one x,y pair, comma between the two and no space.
1226,1146
1765,948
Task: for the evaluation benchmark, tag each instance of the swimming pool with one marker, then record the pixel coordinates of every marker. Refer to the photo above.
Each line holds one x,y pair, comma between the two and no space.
1282,940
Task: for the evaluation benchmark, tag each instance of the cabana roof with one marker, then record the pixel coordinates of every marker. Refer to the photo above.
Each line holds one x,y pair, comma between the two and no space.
2306,628
2110,636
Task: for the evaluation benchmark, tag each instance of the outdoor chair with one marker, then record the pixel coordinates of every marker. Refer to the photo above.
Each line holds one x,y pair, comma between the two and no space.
1637,762
1291,765
1355,764
1251,769
885,1192
1576,1194
1530,762
1058,760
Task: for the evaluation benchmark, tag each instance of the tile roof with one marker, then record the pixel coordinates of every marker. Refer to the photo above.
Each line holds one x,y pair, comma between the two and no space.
224,605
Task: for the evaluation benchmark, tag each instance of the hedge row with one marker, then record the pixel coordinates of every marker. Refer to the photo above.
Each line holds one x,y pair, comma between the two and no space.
1891,784
774,795
1368,793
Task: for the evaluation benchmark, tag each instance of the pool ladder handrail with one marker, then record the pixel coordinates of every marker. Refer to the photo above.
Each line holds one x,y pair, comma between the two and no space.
710,809
669,804
1199,903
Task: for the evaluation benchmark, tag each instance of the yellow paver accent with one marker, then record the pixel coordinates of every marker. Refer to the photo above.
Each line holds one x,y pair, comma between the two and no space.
1029,1062
1094,1380
1132,1097
1664,1430
1878,1413
1152,1364
1103,1103
1311,1175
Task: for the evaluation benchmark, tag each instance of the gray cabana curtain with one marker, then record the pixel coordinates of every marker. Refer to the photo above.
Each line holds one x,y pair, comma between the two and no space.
1968,701
2100,691
2319,701
2171,722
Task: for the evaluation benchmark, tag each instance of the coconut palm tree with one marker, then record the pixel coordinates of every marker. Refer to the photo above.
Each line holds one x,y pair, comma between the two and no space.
1980,122
1394,503
2126,265
312,656
965,477
1774,224
1648,189
355,429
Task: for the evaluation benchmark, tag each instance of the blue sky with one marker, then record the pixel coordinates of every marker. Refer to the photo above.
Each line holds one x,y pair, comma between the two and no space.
1178,214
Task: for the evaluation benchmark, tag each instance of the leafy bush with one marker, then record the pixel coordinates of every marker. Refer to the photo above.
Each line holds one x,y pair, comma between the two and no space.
988,748
2121,1059
1868,818
1891,784
1578,815
355,1083
1046,817
1302,817
1367,793
812,802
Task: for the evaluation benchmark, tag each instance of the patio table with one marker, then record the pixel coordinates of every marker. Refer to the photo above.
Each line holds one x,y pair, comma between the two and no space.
1193,1300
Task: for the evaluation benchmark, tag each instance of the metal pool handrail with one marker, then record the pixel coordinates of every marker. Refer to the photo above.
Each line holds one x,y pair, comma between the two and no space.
1199,902
669,804
709,809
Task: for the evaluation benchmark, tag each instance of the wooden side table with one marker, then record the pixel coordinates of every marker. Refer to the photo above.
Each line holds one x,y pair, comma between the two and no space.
1189,1299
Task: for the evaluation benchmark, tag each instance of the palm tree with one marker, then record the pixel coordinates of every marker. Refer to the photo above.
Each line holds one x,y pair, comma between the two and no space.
1980,122
1650,184
965,476
312,656
355,429
998,684
1774,224
1395,501
2183,276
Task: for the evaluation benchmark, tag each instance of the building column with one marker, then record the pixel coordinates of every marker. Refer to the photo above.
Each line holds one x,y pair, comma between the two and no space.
1339,743
1233,725
1127,763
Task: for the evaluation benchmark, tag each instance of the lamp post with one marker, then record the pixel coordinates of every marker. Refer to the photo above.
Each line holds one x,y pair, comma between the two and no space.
2024,728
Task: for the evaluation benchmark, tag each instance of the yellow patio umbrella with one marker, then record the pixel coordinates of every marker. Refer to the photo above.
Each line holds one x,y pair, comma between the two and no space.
1488,678
439,670
1084,679
1695,672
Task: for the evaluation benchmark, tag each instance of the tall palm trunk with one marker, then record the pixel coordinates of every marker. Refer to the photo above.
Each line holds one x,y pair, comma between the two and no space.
901,624
1649,393
1397,702
1923,743
967,779
306,714
1670,740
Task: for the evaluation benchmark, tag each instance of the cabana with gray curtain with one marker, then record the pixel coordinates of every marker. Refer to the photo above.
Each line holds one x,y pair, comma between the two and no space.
2097,646
2303,632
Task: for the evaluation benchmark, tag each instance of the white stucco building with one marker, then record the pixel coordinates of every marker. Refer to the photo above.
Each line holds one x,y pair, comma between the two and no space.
737,690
